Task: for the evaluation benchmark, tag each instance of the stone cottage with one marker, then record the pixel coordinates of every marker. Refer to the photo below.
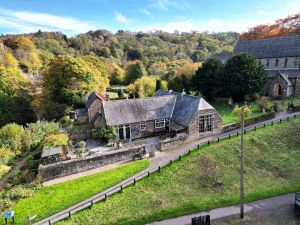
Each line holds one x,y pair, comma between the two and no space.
165,113
280,57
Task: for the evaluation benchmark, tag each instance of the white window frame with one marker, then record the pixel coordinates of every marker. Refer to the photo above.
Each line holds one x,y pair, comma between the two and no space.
143,126
162,123
205,123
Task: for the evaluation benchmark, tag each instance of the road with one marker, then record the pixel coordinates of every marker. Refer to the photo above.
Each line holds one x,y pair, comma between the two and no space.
270,207
161,159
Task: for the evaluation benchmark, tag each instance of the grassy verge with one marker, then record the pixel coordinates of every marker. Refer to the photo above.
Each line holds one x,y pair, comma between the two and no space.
272,165
52,199
228,117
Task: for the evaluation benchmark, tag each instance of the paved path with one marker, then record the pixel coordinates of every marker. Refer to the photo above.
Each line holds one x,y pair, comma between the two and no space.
161,159
269,204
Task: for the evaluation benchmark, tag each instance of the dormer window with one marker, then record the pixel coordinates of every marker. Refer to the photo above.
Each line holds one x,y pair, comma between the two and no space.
259,61
276,63
285,62
268,63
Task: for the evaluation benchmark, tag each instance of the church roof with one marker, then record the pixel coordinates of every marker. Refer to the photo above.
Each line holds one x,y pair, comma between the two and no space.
290,73
277,47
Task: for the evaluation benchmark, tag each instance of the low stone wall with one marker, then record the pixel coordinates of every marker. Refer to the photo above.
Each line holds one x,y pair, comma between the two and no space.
169,142
249,121
296,108
65,168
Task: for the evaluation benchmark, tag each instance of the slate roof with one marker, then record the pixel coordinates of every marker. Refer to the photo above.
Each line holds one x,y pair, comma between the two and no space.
92,97
277,47
137,110
223,56
289,72
50,151
186,106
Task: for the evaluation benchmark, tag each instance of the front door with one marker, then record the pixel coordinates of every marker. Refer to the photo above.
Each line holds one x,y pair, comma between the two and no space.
124,132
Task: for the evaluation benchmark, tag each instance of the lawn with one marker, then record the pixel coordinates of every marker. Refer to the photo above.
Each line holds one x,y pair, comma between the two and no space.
272,165
228,117
52,199
296,101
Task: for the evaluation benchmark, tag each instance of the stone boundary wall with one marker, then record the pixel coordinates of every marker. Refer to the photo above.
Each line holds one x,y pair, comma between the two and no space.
169,142
249,121
296,108
68,167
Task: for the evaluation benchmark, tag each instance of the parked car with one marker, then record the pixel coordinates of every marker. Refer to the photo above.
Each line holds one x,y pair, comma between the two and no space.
297,200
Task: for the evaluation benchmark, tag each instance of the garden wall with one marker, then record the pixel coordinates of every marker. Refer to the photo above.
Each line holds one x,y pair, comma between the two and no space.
65,168
169,142
249,121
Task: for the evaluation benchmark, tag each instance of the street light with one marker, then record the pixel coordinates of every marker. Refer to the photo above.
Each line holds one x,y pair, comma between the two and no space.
242,165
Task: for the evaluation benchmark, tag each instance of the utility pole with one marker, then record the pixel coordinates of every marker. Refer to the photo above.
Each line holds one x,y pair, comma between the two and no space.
242,165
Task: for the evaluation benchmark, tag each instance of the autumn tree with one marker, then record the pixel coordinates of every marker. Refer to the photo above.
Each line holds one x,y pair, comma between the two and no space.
116,74
133,71
68,80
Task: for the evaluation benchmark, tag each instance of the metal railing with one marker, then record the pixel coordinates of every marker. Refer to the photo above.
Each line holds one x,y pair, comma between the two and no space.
147,173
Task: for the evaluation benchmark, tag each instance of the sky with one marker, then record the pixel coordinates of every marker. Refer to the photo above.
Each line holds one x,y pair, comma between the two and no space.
79,16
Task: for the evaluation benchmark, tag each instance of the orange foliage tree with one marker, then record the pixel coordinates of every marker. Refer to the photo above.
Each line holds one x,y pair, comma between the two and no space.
282,27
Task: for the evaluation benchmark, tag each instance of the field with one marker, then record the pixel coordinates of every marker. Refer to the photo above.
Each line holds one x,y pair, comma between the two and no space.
52,199
272,164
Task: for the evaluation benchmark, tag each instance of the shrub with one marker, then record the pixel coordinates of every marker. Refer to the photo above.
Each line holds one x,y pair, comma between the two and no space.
20,191
11,136
4,170
17,178
106,133
208,168
262,103
6,155
5,204
55,140
39,130
238,111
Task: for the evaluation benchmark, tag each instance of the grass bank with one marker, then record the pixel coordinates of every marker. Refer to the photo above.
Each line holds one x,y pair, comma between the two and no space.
272,165
52,199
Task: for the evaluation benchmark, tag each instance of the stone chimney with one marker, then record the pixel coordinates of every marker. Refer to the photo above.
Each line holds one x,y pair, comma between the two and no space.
183,92
170,91
107,96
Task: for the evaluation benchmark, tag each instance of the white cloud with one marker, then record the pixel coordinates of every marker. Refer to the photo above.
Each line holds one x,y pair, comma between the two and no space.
145,11
121,18
25,21
166,4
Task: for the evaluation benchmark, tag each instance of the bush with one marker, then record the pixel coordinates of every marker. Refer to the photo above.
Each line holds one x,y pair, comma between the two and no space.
4,170
5,204
6,155
11,136
106,133
17,178
55,140
19,192
39,130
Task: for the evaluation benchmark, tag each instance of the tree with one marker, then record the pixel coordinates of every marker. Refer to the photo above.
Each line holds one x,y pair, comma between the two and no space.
208,79
158,85
208,168
11,137
133,71
180,83
66,82
116,74
107,133
243,76
145,86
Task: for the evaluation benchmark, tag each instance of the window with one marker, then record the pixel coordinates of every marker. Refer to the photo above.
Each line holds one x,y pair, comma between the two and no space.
285,62
205,123
268,63
162,123
143,126
259,61
297,62
276,62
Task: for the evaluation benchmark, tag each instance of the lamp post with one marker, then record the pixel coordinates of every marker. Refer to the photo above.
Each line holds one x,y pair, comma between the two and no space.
242,165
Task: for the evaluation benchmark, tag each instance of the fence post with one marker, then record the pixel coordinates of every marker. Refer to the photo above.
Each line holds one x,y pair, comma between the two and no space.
207,142
254,128
121,188
70,214
91,204
294,116
272,123
264,125
148,173
245,131
158,168
49,221
134,181
179,157
199,145
229,136
218,139
287,118
171,162
280,120
105,197
189,152
237,133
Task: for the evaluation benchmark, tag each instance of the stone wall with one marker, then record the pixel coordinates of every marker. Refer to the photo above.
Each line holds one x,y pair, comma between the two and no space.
193,129
170,142
249,121
65,168
291,63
